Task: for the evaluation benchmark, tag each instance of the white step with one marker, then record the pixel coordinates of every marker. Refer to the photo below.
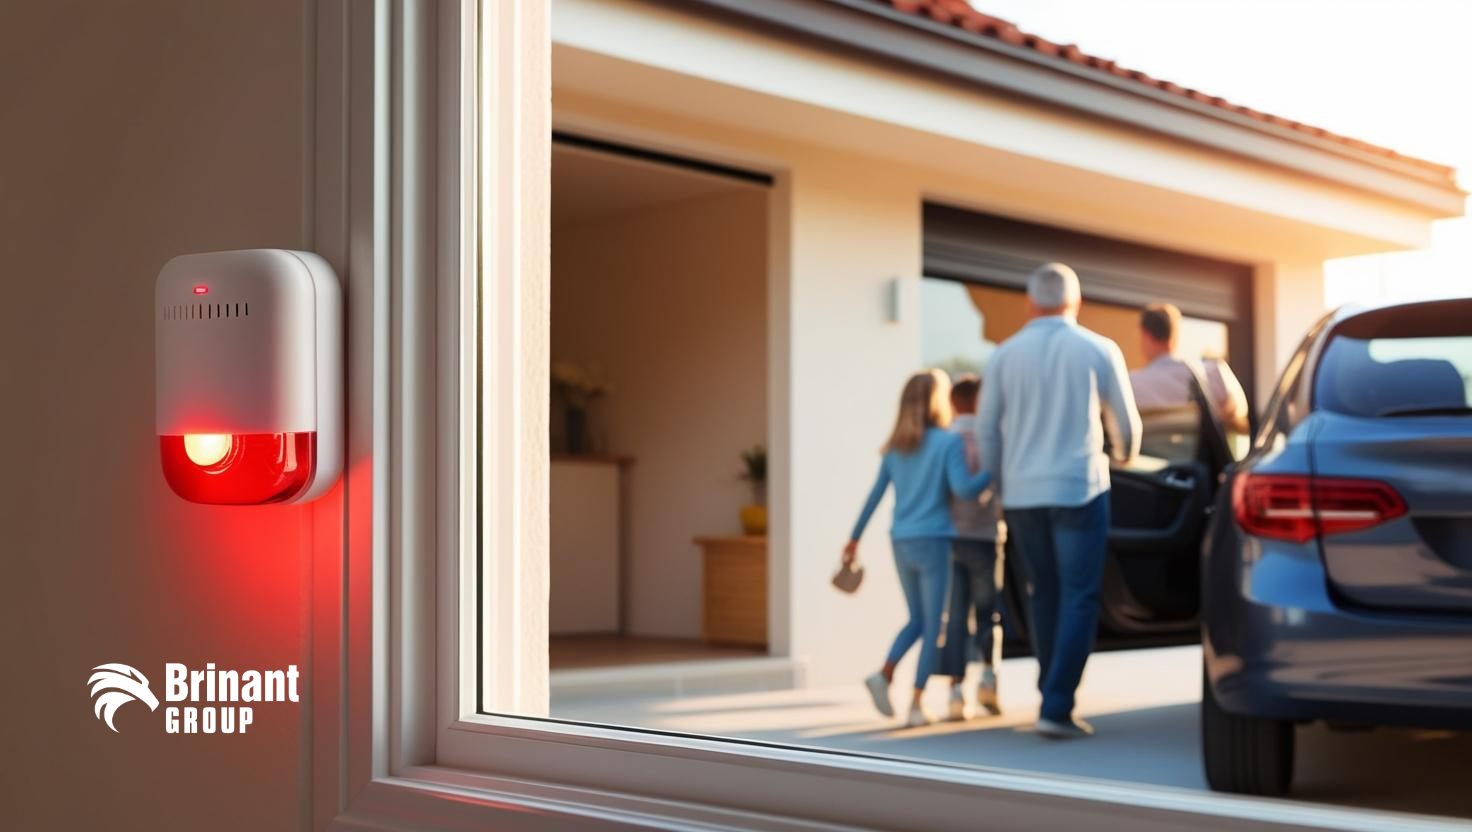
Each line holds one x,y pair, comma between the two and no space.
678,678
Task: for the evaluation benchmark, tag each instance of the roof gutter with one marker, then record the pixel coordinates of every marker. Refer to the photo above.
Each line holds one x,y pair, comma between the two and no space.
880,31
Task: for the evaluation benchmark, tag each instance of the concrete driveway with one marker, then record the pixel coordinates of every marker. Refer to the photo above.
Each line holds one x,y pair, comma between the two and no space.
1143,703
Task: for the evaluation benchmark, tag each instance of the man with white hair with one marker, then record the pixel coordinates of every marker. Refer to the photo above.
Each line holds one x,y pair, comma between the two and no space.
1051,392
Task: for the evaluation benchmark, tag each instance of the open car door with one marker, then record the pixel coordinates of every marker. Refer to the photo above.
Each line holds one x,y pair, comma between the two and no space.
1159,505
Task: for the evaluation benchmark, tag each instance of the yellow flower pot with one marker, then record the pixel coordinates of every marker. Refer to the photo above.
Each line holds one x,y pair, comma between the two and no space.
754,520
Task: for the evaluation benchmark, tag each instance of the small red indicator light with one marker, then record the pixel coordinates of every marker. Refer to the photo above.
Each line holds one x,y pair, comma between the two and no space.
201,290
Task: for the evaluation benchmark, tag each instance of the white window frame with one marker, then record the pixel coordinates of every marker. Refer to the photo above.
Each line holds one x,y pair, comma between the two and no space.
414,98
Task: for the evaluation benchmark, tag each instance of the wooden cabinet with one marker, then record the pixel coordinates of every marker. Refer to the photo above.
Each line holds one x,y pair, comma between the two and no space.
735,582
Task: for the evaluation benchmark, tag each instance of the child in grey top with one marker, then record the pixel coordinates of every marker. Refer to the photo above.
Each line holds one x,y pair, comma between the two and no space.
973,627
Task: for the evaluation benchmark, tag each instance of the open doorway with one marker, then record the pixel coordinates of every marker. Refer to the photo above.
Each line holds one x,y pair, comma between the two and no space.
659,376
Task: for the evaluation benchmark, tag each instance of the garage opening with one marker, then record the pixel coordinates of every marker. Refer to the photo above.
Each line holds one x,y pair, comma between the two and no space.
658,379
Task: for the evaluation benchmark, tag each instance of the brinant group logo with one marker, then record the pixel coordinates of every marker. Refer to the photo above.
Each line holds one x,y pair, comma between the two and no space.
115,685
119,685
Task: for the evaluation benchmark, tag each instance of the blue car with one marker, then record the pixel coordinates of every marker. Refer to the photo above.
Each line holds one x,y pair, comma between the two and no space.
1336,573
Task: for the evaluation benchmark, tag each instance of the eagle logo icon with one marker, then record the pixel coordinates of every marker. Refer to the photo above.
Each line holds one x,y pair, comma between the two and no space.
118,685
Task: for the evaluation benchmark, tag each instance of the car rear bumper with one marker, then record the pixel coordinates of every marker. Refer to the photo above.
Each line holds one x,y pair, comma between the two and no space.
1279,646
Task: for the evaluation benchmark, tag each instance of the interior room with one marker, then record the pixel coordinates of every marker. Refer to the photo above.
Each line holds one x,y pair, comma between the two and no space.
658,374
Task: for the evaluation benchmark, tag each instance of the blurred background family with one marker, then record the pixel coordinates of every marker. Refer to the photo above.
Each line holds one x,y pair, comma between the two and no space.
1022,452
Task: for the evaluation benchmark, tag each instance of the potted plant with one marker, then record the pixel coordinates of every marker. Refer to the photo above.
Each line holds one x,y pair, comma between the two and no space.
579,387
754,516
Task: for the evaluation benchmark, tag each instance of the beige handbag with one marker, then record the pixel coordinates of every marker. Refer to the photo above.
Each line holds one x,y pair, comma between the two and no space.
848,577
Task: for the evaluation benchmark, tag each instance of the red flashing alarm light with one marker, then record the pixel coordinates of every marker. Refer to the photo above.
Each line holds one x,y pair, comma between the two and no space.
248,469
249,381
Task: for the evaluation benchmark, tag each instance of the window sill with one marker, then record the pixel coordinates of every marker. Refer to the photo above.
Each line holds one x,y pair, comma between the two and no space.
613,776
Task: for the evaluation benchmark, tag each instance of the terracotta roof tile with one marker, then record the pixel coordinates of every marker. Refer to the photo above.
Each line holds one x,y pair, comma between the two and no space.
960,14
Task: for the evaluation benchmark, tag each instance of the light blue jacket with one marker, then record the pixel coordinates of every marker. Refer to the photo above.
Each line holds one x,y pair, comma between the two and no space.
1049,394
924,481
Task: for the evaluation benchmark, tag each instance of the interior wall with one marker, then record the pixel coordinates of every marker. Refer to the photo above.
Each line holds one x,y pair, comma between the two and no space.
671,302
134,132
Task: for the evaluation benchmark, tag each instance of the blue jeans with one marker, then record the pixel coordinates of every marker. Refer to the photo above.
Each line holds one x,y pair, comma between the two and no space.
1062,549
924,567
976,577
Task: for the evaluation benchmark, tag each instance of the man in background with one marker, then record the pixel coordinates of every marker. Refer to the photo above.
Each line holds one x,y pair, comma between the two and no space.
973,627
1050,393
1165,380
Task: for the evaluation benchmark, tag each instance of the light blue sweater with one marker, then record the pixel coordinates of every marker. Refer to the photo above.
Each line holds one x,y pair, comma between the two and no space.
924,481
1050,393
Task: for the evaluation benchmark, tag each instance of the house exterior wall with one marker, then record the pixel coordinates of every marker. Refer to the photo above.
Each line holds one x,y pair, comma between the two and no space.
850,237
135,132
1289,295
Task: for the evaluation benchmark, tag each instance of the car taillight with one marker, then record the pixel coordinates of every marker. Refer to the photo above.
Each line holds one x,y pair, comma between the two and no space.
1344,505
1274,506
1299,508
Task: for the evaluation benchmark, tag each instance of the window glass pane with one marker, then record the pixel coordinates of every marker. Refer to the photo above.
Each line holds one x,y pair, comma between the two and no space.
1395,376
1172,434
672,608
1278,418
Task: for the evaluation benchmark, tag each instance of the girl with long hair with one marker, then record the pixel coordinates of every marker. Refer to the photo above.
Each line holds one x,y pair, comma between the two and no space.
926,464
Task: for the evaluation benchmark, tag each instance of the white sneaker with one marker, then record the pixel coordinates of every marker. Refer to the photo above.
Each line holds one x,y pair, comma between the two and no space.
878,688
1073,729
956,709
986,691
918,717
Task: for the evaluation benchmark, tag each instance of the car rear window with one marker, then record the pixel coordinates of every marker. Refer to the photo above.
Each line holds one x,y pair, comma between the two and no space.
1413,360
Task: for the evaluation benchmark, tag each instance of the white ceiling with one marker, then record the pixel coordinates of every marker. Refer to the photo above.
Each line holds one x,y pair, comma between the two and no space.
589,185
